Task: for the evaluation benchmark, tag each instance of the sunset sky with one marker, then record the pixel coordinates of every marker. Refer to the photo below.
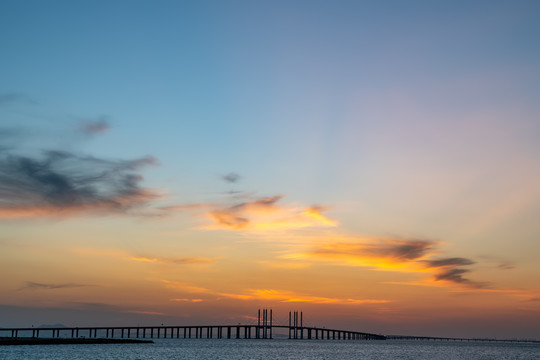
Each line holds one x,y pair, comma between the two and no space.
374,164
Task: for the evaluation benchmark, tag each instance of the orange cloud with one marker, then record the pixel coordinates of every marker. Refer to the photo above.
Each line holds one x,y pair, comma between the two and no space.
174,261
406,255
385,254
187,300
287,296
266,294
267,214
184,287
163,260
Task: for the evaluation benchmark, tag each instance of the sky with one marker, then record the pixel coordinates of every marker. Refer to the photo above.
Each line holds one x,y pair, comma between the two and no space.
373,164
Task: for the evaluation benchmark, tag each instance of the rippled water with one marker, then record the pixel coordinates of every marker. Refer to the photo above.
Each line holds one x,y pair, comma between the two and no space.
278,349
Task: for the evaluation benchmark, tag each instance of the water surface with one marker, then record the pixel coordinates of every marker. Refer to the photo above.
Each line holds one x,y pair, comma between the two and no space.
279,349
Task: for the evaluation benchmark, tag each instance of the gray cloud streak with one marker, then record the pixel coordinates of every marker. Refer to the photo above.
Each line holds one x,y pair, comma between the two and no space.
231,177
402,250
95,127
36,285
456,261
14,97
456,275
59,180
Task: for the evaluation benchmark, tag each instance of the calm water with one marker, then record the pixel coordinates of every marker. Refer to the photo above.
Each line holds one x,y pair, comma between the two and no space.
278,349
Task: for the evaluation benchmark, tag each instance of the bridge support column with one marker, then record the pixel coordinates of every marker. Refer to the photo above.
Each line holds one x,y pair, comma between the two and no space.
271,326
289,324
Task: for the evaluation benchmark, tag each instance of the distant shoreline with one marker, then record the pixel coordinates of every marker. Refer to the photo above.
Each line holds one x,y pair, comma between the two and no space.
68,341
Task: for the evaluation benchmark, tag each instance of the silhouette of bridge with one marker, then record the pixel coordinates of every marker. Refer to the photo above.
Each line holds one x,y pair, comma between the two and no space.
264,329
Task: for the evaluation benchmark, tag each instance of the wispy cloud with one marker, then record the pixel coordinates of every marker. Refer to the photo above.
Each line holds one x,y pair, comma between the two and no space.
251,214
145,258
36,285
15,97
506,266
231,177
379,253
143,312
290,296
455,275
400,250
456,261
187,300
406,255
95,127
267,213
185,287
263,294
173,260
60,183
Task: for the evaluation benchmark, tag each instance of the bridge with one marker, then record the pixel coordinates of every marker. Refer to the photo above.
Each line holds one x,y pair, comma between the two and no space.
264,329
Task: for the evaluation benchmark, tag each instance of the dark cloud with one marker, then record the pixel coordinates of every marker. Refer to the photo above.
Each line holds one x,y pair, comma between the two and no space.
448,270
95,127
456,261
455,275
36,285
231,177
399,249
59,181
13,97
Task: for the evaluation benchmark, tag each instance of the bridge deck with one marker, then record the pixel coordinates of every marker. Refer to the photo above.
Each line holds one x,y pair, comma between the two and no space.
192,332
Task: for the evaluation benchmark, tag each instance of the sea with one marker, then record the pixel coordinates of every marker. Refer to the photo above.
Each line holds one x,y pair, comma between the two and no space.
280,349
